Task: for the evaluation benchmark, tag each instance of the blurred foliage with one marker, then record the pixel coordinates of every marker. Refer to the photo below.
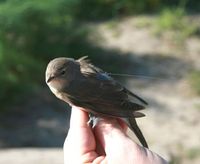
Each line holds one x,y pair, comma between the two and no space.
175,21
171,19
33,32
190,155
101,9
194,79
19,74
40,28
193,153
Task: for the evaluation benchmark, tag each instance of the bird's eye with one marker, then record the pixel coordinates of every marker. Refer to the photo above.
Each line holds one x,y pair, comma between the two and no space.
63,72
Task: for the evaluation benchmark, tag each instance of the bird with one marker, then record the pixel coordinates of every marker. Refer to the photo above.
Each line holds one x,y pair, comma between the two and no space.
82,84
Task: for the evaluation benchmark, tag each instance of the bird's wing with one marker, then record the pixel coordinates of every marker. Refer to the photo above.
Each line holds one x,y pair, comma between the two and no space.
103,97
99,93
135,96
88,69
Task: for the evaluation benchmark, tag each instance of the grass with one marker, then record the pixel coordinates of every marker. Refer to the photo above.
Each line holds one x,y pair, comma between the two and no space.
175,21
171,22
19,74
188,155
144,21
197,106
194,80
193,153
113,25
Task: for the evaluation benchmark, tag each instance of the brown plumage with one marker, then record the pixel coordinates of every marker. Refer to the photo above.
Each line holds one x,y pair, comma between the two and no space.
80,83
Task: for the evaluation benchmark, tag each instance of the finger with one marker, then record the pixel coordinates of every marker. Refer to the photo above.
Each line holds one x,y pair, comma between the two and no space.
106,127
99,148
123,125
113,139
80,133
79,118
80,143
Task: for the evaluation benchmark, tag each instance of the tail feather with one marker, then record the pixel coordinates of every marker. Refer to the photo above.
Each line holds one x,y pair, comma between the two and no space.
134,127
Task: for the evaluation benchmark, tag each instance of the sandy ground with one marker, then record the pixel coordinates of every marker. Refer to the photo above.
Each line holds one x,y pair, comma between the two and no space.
31,156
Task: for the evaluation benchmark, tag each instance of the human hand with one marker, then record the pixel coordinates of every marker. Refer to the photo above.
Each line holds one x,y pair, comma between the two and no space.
106,143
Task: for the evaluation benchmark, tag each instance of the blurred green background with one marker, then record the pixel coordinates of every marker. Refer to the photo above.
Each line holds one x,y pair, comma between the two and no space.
34,32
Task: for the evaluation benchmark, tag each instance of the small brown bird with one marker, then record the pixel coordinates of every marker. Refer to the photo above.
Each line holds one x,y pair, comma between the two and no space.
80,83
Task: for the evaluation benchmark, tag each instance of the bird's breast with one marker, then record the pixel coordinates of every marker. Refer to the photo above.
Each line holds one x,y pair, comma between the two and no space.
61,95
56,93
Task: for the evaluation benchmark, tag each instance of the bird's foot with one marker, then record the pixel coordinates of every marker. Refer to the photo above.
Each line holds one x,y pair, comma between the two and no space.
93,120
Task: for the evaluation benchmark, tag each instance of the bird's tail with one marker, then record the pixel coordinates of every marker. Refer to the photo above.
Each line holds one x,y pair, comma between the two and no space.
134,127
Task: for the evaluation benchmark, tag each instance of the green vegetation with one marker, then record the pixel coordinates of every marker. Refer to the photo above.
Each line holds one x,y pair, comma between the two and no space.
194,79
175,160
171,19
193,153
175,21
188,155
28,38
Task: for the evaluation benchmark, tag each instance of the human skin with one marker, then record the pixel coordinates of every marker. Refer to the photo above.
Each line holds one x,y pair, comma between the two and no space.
106,143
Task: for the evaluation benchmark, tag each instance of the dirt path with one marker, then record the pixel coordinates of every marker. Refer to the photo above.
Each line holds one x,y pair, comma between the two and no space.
31,156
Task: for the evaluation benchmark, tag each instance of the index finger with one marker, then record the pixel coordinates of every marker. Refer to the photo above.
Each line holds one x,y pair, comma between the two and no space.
79,117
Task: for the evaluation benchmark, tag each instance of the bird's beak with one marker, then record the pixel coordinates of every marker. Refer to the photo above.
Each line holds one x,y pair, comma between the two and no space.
50,78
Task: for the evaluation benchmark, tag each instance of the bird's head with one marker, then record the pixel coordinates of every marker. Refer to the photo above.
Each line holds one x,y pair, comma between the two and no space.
60,72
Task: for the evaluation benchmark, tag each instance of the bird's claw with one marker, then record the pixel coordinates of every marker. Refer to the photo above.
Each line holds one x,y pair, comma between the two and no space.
93,120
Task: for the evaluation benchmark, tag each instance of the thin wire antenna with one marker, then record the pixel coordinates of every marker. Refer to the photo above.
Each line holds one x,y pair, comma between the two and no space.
141,76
